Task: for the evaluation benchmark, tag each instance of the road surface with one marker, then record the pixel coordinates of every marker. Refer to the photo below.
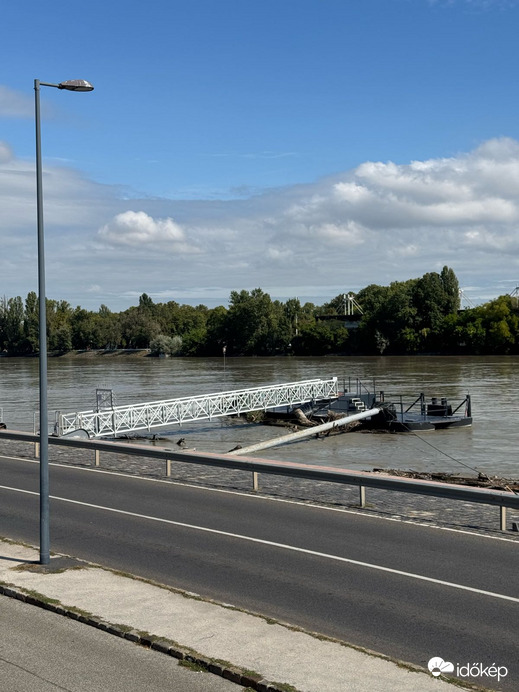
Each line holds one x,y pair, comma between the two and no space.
407,591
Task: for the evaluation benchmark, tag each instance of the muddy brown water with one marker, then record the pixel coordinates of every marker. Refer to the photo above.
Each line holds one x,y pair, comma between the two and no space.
488,446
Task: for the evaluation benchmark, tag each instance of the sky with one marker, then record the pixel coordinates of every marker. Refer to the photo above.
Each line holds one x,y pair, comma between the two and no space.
305,147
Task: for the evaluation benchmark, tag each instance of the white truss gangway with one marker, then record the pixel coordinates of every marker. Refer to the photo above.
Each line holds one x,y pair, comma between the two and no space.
125,419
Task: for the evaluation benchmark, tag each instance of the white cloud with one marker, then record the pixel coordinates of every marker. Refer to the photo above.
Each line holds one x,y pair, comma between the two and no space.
377,223
136,228
6,153
280,255
476,5
15,104
352,192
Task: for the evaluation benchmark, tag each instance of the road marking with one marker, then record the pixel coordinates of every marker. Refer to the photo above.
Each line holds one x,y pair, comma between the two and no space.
268,498
273,544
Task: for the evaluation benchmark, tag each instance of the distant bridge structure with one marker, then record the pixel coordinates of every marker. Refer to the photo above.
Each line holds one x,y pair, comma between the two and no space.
117,420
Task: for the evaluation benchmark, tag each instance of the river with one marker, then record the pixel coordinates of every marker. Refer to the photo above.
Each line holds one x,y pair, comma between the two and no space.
492,382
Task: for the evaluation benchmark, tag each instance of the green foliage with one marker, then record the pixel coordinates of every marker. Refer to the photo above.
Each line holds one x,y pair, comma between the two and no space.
415,316
336,306
138,328
255,325
31,323
408,316
320,338
194,342
216,331
11,324
163,345
61,339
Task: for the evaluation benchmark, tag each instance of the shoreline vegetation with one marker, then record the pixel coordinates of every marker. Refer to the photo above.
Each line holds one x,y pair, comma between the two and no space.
415,317
146,353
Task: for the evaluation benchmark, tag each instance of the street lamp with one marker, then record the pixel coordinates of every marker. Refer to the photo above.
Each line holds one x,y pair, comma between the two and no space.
70,85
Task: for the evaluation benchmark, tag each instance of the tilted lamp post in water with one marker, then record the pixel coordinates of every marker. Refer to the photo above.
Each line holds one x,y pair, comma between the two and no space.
71,85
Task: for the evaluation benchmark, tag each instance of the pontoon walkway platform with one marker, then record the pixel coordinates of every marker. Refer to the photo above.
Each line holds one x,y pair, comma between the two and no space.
125,419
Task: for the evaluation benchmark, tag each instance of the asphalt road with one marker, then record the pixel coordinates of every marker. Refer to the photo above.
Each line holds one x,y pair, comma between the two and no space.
404,590
45,652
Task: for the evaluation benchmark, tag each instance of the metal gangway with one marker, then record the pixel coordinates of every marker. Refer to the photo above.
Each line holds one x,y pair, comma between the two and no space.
125,419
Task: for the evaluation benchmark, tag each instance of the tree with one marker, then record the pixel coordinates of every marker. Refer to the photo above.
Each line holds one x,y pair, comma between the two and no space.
108,328
370,336
138,328
502,326
435,296
389,319
429,300
253,324
216,331
31,323
146,303
11,324
405,317
194,342
336,306
292,311
61,339
409,316
320,338
451,289
83,329
165,345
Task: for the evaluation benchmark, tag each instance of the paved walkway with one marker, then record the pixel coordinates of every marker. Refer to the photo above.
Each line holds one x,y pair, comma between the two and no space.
246,649
41,651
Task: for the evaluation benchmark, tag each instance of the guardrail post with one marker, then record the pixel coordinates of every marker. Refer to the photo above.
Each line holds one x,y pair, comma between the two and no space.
97,457
36,444
502,518
501,499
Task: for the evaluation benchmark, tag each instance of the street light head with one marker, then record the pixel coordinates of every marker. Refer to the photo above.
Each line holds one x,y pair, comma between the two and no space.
76,85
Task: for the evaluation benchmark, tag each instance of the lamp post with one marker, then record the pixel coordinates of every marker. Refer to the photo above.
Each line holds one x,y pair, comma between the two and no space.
71,85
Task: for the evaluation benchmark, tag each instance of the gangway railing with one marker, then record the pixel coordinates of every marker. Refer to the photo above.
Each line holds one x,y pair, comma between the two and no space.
124,419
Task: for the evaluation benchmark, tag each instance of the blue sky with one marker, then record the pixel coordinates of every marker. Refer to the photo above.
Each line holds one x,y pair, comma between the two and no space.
308,147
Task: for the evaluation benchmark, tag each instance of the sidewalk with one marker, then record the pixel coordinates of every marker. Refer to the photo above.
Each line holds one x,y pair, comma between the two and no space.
243,648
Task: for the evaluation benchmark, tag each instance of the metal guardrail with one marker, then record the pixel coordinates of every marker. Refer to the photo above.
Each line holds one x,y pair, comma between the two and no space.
362,479
144,416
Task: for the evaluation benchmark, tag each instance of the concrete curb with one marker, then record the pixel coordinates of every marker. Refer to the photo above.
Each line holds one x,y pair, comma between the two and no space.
163,646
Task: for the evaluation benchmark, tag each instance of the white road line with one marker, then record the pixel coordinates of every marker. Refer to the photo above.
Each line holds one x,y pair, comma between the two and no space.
284,546
269,498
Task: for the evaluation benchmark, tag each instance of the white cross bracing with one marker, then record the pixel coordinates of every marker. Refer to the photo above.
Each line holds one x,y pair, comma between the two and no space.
124,419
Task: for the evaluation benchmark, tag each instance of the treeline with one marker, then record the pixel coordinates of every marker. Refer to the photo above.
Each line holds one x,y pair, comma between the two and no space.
415,316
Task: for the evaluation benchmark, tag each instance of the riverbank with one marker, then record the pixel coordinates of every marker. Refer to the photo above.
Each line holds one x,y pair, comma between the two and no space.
103,353
86,353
